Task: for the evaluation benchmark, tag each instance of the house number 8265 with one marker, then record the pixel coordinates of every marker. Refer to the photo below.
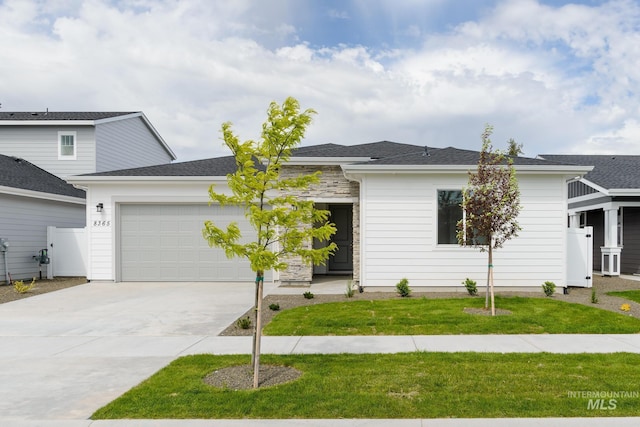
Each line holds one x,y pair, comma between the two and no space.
103,223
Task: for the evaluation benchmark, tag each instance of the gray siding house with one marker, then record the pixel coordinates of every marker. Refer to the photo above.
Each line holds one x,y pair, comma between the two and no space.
39,150
30,200
608,199
74,143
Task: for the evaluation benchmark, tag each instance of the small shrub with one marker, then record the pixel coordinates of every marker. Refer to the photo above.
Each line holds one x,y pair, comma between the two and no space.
274,307
594,297
350,291
402,287
471,286
625,307
549,288
21,288
243,323
308,295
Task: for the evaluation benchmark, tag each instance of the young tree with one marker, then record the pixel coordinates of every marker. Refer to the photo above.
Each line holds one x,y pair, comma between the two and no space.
514,149
284,224
491,203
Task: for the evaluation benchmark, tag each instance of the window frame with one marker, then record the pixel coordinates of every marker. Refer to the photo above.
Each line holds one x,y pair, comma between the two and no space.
437,216
467,242
62,156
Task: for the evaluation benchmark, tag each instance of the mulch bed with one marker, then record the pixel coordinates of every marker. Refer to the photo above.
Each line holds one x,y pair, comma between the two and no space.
8,293
241,377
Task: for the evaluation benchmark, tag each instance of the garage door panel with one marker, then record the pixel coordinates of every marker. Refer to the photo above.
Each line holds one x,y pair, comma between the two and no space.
165,243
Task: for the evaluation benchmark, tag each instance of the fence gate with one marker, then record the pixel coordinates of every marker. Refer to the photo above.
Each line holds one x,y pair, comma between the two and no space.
580,257
67,249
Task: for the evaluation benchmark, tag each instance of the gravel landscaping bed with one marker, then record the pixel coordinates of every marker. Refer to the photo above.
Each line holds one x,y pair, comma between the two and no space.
8,293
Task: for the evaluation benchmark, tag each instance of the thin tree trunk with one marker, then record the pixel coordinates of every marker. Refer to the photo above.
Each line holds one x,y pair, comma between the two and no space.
255,319
493,304
486,289
258,329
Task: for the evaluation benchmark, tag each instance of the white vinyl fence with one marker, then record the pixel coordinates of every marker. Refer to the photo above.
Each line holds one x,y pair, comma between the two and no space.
580,257
67,249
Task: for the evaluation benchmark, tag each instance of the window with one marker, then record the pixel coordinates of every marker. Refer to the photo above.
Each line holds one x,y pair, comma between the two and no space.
67,145
449,213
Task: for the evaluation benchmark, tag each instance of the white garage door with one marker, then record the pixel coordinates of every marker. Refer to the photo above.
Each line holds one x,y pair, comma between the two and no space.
165,243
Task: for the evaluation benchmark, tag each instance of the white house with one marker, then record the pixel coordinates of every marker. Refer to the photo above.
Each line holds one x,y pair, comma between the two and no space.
395,207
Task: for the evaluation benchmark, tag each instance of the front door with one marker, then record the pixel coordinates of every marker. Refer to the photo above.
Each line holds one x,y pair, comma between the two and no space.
342,217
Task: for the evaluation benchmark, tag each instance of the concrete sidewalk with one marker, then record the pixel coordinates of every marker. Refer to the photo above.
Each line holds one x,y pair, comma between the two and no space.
65,354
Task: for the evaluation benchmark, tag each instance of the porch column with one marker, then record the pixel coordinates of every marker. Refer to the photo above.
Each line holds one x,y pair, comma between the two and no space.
574,220
610,252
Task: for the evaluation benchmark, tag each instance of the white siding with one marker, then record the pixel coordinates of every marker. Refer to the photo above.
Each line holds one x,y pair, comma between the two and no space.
24,221
39,145
125,144
399,234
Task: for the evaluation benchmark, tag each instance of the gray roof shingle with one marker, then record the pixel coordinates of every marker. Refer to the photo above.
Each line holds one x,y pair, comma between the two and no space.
218,166
19,173
373,150
59,115
446,156
382,153
610,171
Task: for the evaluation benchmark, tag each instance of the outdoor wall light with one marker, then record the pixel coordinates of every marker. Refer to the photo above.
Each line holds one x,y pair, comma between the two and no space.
99,207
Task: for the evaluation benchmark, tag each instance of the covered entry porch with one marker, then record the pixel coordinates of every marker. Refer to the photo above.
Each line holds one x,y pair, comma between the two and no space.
616,235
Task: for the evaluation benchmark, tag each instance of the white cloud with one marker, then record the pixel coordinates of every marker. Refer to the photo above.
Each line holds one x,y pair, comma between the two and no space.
622,140
337,14
191,65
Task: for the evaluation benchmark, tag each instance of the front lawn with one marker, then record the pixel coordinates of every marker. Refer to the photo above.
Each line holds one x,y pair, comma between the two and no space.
630,295
405,385
422,316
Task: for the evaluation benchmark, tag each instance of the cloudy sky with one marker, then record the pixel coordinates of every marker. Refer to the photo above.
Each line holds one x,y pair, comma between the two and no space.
557,76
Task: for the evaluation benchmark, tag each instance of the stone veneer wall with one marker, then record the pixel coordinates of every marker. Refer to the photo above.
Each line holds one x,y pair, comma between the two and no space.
332,186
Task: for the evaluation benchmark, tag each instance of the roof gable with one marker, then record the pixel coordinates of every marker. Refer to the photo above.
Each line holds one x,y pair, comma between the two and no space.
21,174
76,118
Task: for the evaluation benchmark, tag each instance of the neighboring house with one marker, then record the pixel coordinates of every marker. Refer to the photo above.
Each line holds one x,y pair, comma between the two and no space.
74,143
608,198
64,144
395,207
30,200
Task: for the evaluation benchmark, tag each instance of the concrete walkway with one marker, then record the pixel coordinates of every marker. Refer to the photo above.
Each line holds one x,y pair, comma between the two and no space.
65,354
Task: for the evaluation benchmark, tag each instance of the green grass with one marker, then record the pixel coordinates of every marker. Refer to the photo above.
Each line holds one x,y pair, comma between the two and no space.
405,385
421,316
630,295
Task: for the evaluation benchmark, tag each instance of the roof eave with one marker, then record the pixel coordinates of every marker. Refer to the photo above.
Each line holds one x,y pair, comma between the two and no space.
110,179
41,195
624,192
547,169
325,161
47,122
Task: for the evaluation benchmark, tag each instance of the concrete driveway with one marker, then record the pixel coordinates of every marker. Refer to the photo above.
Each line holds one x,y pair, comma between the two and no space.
64,354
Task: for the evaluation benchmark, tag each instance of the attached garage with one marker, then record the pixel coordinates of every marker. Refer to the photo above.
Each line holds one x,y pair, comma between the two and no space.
163,242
